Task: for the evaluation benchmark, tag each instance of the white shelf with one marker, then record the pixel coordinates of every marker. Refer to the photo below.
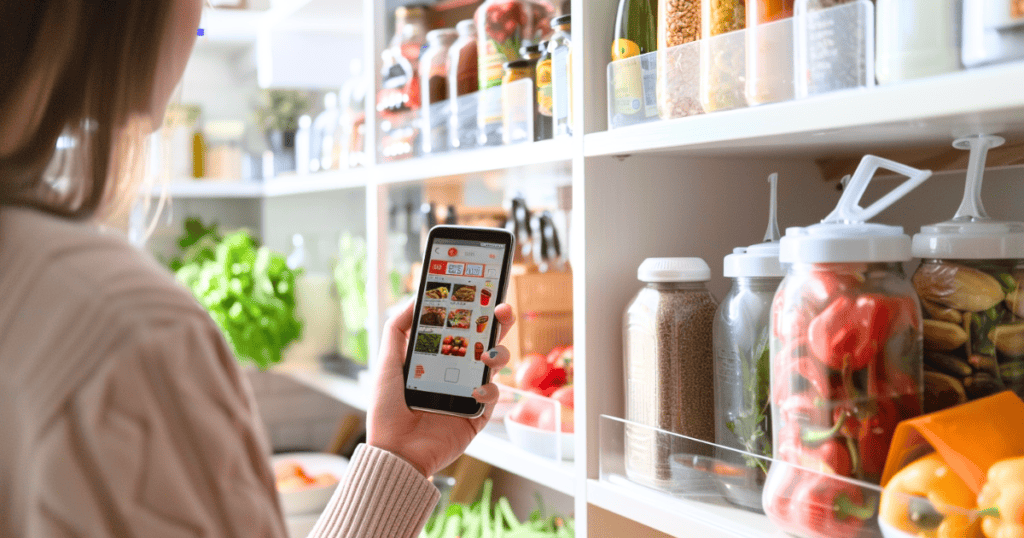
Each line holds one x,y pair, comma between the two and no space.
476,160
355,394
914,113
677,517
493,447
286,185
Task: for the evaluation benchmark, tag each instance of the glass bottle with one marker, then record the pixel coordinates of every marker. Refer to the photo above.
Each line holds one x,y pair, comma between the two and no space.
399,99
769,42
635,34
502,25
545,99
434,67
561,75
668,366
542,128
463,81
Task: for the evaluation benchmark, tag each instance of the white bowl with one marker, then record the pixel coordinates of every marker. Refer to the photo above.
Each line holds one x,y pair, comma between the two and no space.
540,442
312,500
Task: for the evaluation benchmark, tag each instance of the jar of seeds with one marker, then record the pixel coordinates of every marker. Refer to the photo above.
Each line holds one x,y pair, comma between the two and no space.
669,371
678,67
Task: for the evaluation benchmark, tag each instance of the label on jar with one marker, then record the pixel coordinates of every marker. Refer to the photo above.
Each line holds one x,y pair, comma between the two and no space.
544,97
627,77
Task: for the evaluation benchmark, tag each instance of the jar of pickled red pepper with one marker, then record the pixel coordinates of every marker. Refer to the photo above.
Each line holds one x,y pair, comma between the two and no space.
846,347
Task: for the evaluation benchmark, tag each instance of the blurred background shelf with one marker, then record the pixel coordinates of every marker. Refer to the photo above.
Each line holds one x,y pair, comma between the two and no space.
553,152
493,446
286,185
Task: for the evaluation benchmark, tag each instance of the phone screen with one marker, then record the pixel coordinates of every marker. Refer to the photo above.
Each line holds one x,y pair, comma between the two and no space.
456,316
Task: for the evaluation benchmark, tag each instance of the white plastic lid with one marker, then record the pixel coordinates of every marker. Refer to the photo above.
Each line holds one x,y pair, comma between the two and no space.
845,236
972,234
673,270
760,260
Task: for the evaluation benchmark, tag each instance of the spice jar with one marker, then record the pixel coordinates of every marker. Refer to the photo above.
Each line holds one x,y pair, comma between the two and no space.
971,271
845,355
542,127
561,76
769,77
434,67
742,387
517,101
916,38
834,45
502,25
993,31
668,364
463,81
723,59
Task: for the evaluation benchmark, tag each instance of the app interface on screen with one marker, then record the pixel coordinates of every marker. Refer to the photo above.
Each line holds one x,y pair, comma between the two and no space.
456,316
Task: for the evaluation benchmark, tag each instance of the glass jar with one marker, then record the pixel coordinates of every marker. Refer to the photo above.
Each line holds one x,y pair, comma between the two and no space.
769,76
668,364
502,25
399,100
723,64
834,47
434,68
846,347
561,76
916,38
517,101
542,128
463,81
969,284
993,31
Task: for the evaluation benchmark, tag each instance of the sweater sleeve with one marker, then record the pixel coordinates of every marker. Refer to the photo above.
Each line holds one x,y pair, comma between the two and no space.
382,496
161,441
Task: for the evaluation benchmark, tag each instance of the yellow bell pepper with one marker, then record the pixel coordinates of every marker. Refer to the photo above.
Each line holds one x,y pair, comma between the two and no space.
1004,492
928,500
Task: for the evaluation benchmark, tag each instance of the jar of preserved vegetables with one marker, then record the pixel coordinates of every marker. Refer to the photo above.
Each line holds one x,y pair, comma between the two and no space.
742,368
845,352
969,283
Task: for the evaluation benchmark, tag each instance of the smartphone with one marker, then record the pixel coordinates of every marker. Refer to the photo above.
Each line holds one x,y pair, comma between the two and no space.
465,276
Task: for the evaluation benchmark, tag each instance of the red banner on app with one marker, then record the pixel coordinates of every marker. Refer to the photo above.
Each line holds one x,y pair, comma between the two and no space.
438,267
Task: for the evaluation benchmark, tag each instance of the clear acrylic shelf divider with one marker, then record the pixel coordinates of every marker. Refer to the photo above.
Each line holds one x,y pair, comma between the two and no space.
817,52
732,490
533,423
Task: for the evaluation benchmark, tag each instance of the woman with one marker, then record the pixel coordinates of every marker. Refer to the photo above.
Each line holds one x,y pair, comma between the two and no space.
123,412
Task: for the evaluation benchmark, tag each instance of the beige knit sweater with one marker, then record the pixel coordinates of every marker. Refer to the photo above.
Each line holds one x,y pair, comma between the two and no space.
123,413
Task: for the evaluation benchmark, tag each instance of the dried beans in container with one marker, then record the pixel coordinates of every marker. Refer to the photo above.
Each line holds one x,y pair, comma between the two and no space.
678,66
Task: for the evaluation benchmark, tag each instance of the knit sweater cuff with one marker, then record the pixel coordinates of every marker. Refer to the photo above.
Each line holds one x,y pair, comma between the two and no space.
382,495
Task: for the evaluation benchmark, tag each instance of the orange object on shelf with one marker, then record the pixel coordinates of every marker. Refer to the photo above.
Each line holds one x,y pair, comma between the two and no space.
970,438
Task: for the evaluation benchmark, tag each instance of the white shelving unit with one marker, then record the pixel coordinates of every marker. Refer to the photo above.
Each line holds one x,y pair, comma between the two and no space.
687,187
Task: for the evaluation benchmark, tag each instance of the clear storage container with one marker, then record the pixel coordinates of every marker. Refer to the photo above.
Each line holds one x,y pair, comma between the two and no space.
742,386
969,284
769,43
845,348
993,31
434,66
463,83
561,76
723,55
916,38
835,45
668,360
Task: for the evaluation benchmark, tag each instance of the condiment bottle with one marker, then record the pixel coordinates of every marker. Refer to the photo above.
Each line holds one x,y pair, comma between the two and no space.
742,324
669,370
969,283
561,75
545,100
463,80
845,352
434,89
502,25
916,38
517,101
542,127
769,42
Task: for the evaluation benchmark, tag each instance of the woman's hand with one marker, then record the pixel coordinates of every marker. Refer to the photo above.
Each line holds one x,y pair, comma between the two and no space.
429,441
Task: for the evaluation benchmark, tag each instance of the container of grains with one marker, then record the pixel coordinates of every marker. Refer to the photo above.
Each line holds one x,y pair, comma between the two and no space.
678,58
742,387
969,284
835,47
845,350
668,364
722,66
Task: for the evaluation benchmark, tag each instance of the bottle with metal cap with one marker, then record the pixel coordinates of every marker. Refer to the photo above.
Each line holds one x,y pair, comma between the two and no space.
971,270
668,363
742,388
845,347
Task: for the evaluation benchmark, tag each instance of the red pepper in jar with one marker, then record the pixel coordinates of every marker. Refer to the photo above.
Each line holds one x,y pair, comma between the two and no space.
823,285
804,408
830,507
800,375
874,437
777,501
849,333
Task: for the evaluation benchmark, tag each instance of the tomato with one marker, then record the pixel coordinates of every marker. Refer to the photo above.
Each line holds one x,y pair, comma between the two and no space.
554,354
447,340
532,372
527,412
546,420
565,397
446,349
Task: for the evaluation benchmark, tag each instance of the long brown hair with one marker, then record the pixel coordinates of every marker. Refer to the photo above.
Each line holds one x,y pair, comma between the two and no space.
81,71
